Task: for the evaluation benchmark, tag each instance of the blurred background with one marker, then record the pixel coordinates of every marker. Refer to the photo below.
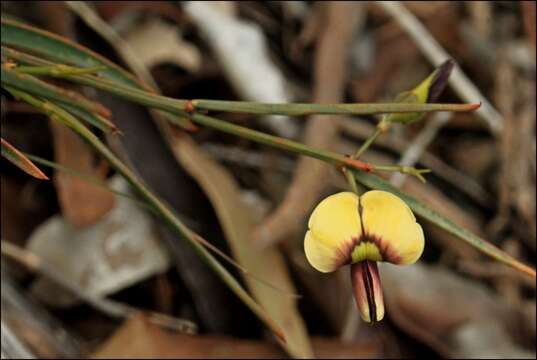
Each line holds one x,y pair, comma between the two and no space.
114,281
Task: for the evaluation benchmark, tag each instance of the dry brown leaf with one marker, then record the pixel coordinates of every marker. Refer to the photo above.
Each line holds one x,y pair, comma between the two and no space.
82,202
309,180
237,221
120,250
112,10
242,51
456,316
138,338
156,42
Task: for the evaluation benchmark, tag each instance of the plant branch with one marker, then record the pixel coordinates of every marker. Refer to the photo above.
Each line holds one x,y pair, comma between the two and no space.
175,105
166,213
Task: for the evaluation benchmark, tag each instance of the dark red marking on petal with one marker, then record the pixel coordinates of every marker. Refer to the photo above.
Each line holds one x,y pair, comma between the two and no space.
344,251
387,252
368,282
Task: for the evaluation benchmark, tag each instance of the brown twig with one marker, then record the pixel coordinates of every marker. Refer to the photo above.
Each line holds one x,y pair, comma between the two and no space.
109,307
451,175
464,87
416,148
341,20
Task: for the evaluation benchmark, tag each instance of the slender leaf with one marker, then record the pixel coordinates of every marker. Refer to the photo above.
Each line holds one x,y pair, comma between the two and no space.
297,109
374,182
93,119
91,179
61,50
238,224
166,213
21,161
143,97
40,88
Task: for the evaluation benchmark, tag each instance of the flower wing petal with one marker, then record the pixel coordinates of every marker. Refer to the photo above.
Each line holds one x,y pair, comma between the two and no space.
389,221
334,229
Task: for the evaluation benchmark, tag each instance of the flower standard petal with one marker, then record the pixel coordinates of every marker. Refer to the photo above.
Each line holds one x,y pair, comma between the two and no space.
334,230
389,223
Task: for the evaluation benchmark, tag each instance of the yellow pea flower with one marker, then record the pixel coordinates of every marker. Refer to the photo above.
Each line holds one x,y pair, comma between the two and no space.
360,230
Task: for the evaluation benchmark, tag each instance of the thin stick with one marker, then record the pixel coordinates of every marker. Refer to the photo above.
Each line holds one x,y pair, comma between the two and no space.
166,213
179,105
109,307
302,109
413,153
366,144
204,242
462,85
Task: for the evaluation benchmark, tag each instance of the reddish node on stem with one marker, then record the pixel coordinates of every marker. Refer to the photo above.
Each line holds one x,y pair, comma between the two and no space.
475,106
360,165
189,107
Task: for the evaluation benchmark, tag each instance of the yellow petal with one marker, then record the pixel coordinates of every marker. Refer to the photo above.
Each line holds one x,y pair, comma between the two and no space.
334,230
390,224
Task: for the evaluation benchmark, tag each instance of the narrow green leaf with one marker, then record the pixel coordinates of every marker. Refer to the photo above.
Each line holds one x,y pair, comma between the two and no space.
93,119
298,109
59,49
238,224
374,182
144,97
58,69
40,88
167,214
91,179
21,161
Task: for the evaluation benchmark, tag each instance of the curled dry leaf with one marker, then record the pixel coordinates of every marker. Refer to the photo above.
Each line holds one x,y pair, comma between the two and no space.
237,222
156,42
456,316
22,162
241,49
340,22
82,203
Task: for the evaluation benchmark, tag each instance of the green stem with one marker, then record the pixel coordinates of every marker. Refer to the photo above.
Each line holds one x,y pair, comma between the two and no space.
298,109
58,114
278,142
405,170
41,88
114,87
174,105
351,180
370,140
59,70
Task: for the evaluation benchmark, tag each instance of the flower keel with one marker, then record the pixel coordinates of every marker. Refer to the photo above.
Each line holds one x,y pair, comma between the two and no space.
367,290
